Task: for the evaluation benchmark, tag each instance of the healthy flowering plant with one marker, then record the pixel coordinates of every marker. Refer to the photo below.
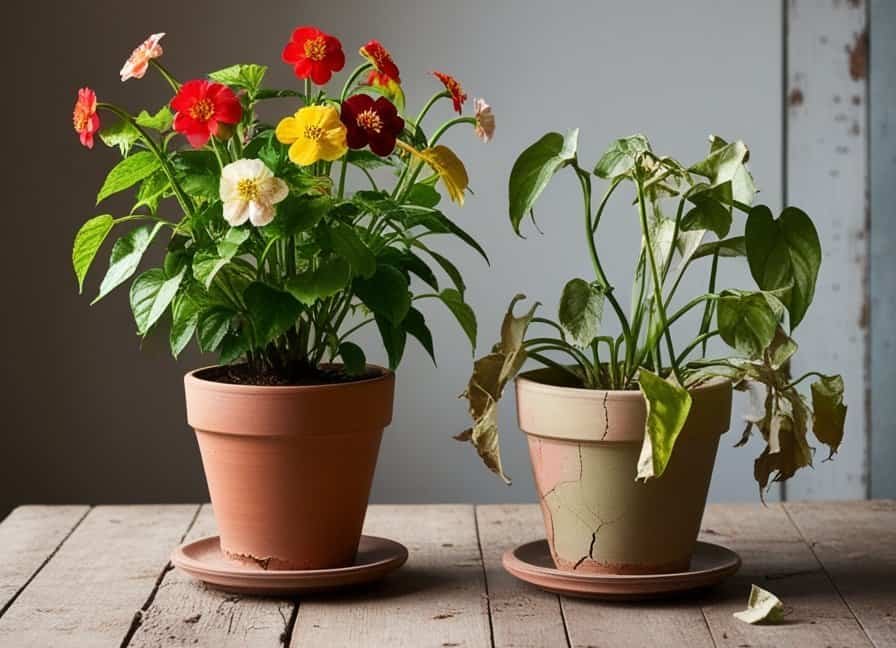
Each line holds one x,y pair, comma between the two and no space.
686,214
270,261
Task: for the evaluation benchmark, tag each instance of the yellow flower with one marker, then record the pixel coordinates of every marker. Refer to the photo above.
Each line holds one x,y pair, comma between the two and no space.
449,167
314,133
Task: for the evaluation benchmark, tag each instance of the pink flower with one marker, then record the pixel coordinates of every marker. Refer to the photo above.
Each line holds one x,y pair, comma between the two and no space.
485,120
84,117
135,66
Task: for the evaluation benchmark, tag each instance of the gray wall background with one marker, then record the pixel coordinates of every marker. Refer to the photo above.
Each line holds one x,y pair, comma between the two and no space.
92,417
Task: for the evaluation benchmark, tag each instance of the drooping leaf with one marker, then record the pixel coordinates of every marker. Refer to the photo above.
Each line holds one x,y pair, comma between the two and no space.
127,173
784,254
436,222
534,168
126,255
272,311
330,276
727,162
87,243
711,210
385,293
409,263
121,134
748,320
668,406
762,607
415,325
184,319
151,294
353,358
350,247
581,310
394,339
461,311
828,411
619,159
730,247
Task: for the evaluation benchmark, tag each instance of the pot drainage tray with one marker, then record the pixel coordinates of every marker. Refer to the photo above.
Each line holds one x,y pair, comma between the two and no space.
203,559
532,562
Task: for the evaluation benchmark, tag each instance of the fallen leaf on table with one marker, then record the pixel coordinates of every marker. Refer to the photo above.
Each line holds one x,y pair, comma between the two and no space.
763,607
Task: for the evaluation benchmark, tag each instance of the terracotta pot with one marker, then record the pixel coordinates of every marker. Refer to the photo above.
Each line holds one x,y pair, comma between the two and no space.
289,469
584,445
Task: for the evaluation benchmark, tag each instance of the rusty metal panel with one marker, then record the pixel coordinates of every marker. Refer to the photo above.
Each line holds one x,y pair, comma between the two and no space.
826,162
882,81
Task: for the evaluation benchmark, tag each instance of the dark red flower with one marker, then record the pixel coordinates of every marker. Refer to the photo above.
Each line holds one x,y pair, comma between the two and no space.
204,109
385,69
314,54
373,122
458,96
84,117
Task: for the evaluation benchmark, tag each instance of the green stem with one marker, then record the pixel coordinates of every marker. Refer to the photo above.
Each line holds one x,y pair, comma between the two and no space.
429,104
553,364
710,306
701,339
802,378
166,74
448,124
342,175
358,71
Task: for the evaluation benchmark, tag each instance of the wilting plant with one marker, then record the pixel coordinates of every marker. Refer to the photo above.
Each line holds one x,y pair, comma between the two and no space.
686,214
270,261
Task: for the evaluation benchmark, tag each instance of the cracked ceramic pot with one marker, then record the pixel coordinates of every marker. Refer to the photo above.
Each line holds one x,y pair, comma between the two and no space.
289,469
584,445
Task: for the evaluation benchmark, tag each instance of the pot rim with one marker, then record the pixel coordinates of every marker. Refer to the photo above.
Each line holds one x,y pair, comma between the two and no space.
526,379
191,379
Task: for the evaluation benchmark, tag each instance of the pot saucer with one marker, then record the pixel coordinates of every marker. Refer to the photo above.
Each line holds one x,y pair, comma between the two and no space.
203,559
532,562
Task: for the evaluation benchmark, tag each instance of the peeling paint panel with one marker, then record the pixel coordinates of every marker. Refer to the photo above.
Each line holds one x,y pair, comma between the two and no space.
827,176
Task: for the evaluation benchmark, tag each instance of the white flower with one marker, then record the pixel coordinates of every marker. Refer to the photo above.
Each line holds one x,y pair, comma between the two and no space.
250,191
485,120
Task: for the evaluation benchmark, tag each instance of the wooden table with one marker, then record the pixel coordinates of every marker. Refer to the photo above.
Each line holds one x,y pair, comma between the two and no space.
84,577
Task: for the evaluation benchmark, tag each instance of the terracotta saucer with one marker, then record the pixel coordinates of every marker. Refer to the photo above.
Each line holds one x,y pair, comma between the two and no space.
532,563
203,559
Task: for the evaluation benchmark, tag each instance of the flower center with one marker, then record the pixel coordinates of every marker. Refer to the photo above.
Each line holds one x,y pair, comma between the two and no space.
248,190
316,48
202,110
80,120
370,121
313,132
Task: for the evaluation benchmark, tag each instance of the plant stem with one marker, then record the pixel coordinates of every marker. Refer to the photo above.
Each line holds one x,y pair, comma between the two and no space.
358,71
342,175
796,382
444,127
710,306
166,74
429,104
701,339
553,364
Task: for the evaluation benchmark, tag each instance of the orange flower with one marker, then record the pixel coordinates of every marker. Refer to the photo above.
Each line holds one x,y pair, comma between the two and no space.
84,117
137,63
382,61
458,96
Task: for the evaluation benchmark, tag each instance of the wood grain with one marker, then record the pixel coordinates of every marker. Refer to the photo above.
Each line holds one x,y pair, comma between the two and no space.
88,594
437,599
185,612
522,616
28,537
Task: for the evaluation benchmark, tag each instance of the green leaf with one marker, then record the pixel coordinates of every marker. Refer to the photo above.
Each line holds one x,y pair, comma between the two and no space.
394,339
619,159
730,247
461,311
352,358
385,293
207,263
161,121
198,173
330,276
762,607
364,159
152,190
534,168
828,412
126,255
711,211
668,405
298,214
435,221
127,173
415,324
121,134
184,319
248,76
151,294
272,311
423,195
408,262
581,310
726,162
213,325
87,243
748,320
450,270
351,248
784,253
233,346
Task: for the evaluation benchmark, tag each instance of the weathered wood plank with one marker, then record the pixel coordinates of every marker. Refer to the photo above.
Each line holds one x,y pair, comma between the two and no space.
522,615
437,599
88,594
186,613
827,176
856,544
28,537
776,558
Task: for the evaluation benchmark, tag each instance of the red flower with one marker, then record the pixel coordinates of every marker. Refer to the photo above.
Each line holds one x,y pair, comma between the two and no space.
205,109
314,54
385,69
371,122
452,86
84,117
